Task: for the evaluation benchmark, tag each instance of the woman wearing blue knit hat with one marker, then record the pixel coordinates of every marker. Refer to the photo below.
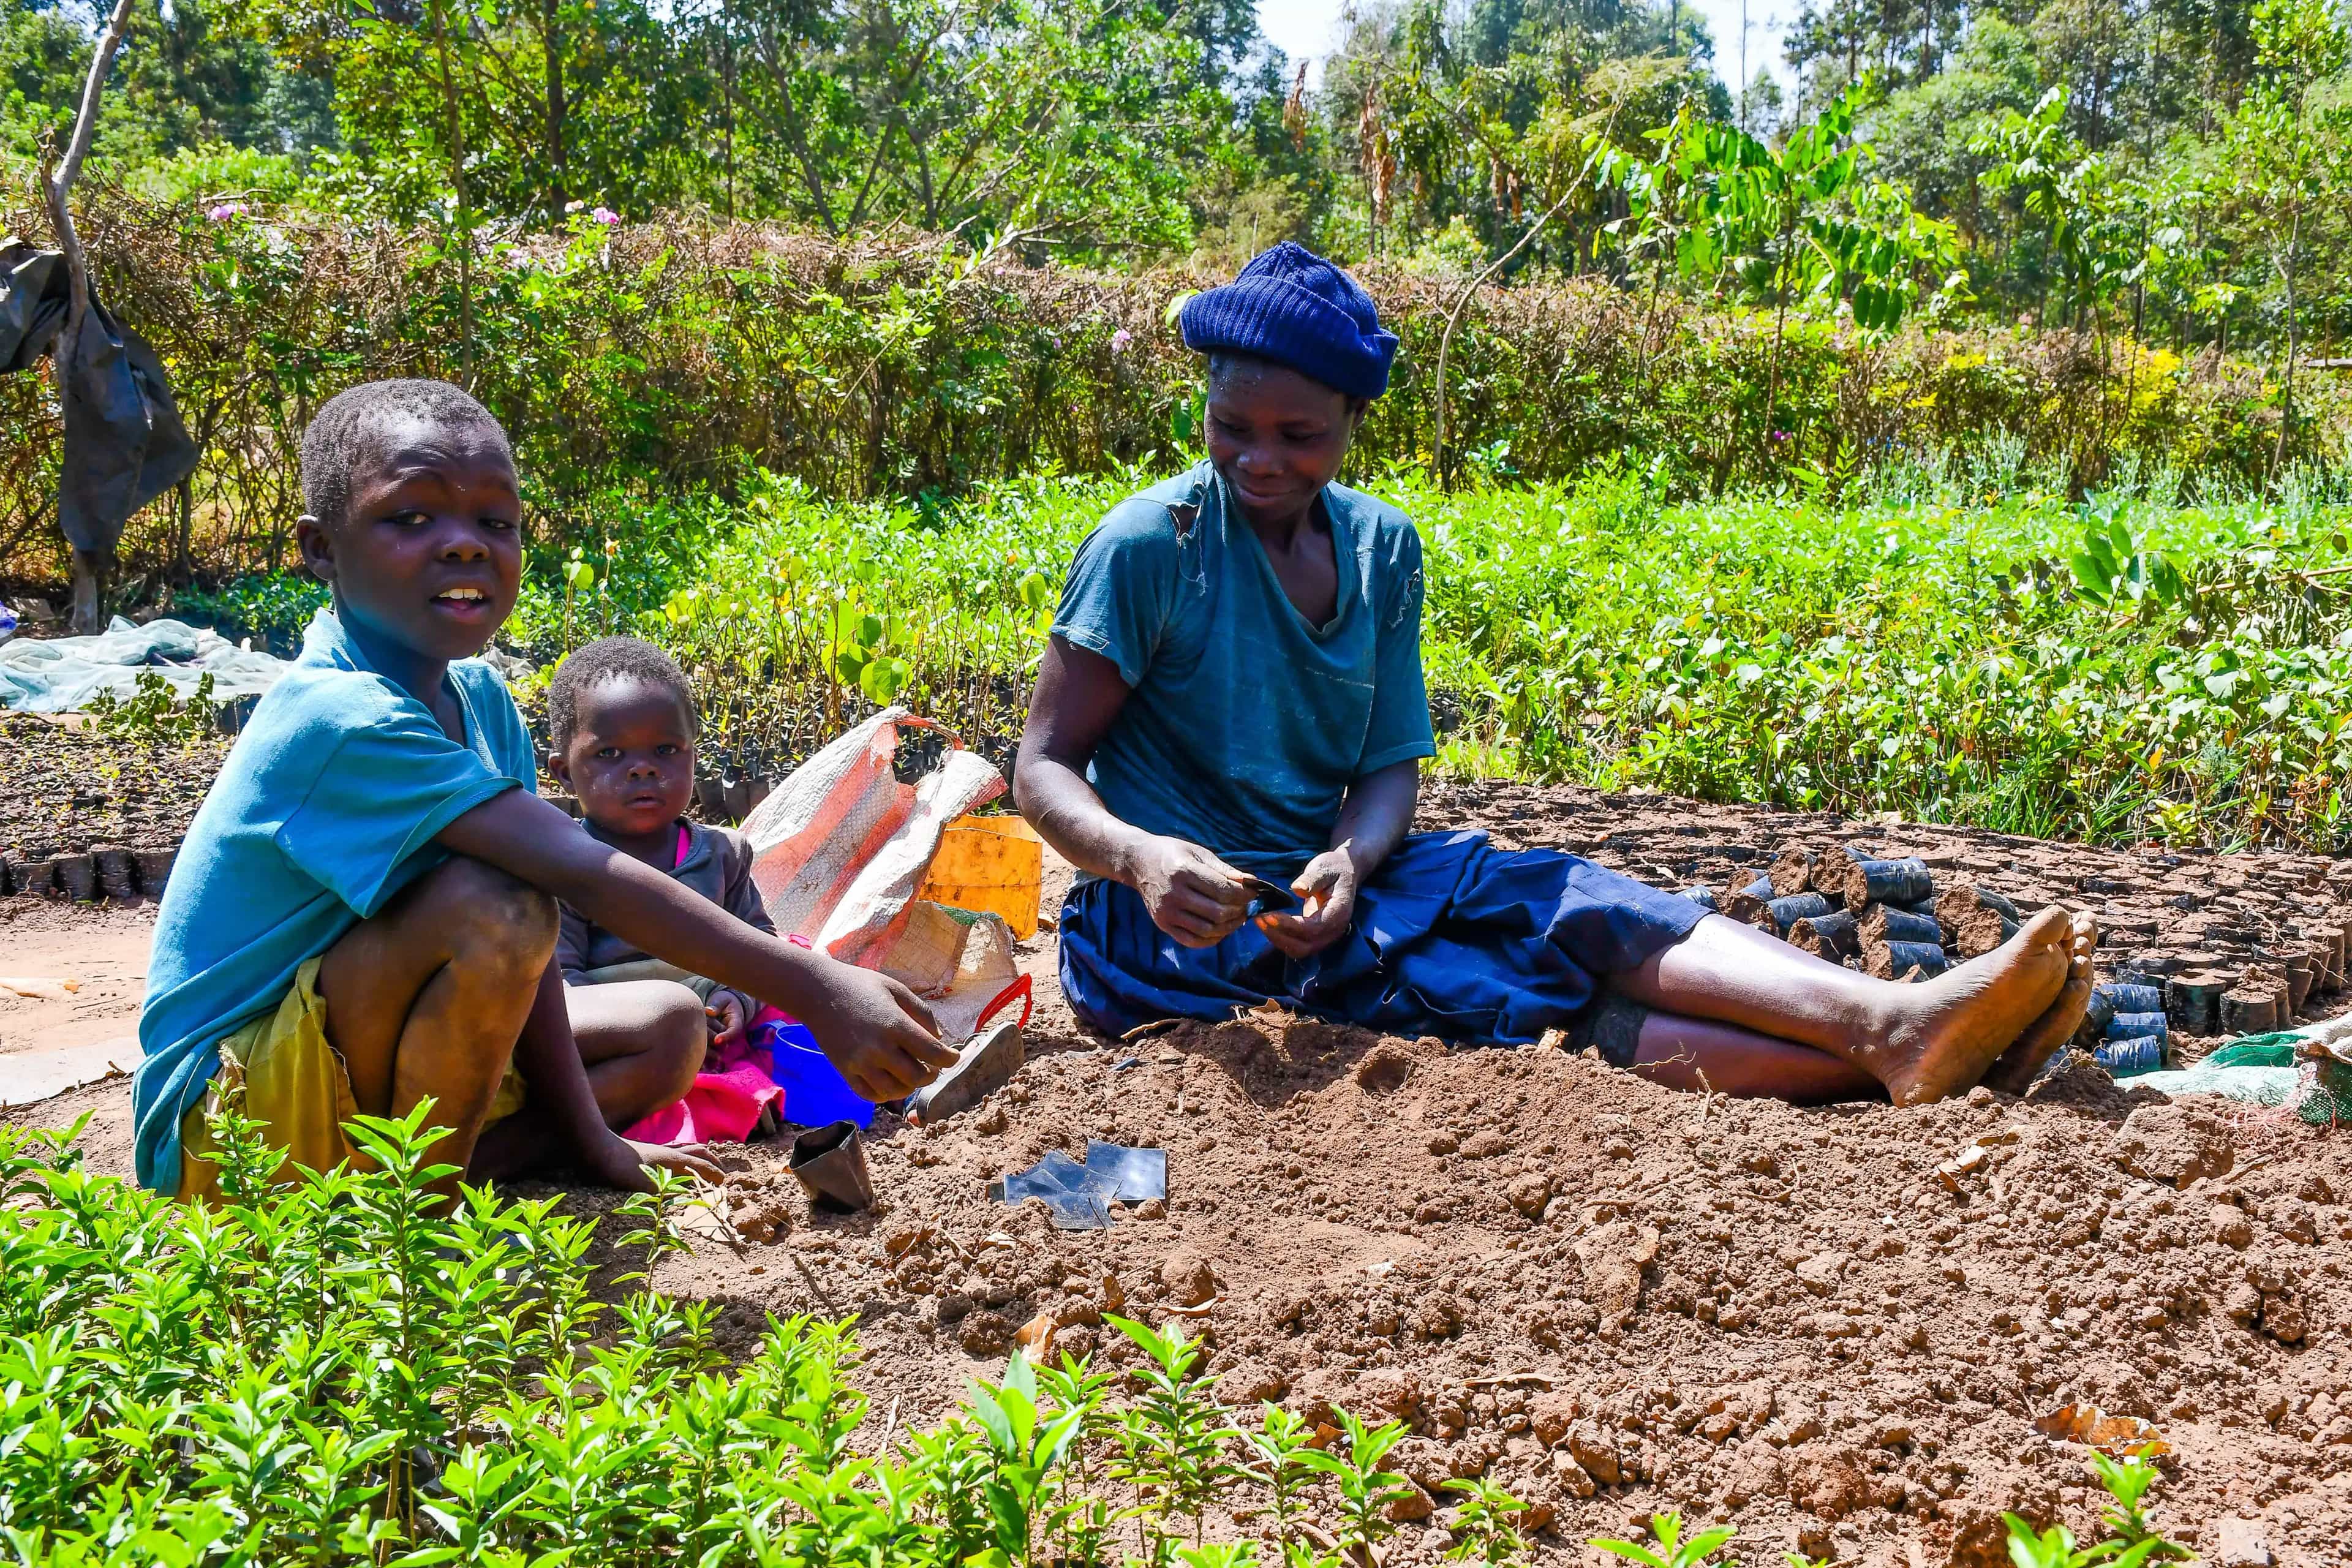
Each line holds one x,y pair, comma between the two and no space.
1226,738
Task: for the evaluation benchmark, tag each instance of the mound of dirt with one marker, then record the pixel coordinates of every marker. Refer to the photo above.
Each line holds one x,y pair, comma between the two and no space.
1841,1331
1825,1327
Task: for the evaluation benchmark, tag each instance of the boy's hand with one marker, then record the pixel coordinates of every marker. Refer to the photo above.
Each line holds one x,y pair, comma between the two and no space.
615,1161
729,1014
1193,896
1329,887
878,1033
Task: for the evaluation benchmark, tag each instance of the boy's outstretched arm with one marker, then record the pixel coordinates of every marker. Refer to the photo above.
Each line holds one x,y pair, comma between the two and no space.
875,1030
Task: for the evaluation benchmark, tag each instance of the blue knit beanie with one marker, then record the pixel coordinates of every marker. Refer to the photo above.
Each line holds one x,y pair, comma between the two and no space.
1292,307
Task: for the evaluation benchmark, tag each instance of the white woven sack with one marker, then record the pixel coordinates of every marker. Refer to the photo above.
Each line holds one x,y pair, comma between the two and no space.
839,848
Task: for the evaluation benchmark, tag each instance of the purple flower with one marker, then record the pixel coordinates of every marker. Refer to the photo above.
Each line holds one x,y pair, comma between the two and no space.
226,211
607,216
1120,339
1779,434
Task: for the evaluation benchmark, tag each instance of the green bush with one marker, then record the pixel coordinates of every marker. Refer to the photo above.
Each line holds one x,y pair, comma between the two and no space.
1952,642
335,1371
640,365
2118,669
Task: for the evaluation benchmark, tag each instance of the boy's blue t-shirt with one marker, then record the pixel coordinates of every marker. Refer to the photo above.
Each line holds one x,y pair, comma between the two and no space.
1243,724
326,806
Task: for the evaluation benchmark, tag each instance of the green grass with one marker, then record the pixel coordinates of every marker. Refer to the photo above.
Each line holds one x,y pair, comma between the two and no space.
1956,645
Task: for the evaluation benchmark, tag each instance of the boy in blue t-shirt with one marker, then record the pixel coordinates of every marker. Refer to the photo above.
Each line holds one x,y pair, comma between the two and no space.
365,911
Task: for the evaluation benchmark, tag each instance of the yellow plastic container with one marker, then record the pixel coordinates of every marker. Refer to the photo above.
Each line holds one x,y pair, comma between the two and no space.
995,864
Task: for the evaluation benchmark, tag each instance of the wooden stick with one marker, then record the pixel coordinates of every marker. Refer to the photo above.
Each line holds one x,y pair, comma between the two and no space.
60,185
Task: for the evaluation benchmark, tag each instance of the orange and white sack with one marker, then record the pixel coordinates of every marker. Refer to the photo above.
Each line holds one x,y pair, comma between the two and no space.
841,846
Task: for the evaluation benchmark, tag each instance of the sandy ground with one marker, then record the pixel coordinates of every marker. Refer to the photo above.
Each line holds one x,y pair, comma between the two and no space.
1609,1297
58,1039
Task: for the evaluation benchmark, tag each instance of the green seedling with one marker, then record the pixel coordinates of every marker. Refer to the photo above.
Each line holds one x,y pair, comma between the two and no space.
1279,1446
1365,1489
1171,1443
1027,1442
2133,1541
1483,1528
1667,1547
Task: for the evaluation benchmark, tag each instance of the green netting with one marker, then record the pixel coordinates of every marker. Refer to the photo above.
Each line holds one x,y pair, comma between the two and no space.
2266,1069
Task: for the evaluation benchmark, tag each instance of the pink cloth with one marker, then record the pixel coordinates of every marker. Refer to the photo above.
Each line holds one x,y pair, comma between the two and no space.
733,1087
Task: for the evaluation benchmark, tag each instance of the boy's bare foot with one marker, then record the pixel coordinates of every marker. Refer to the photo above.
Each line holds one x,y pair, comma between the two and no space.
2014,1072
1950,1030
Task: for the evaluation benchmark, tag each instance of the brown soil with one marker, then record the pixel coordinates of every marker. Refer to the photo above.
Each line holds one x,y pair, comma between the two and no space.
68,788
1615,1298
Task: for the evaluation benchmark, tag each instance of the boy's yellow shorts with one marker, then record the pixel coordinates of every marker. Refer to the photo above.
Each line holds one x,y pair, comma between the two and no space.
295,1081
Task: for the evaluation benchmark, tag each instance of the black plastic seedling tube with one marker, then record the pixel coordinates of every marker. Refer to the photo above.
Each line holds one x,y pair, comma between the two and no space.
1796,907
77,876
2134,999
1905,881
2193,1003
1901,925
2132,1026
1925,956
1831,936
155,869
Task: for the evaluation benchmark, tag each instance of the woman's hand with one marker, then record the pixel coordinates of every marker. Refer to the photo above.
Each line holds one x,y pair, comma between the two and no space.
1193,896
1327,888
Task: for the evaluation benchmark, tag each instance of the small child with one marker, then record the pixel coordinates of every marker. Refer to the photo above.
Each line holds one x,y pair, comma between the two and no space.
623,727
363,913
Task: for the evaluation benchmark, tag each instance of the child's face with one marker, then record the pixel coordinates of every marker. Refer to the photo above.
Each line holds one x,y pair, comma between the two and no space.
631,761
429,554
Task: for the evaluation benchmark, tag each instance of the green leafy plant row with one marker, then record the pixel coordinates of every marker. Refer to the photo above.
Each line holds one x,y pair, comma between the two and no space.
336,1371
1953,641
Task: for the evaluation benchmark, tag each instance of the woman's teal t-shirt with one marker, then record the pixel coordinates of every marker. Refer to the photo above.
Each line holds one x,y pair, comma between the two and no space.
1244,724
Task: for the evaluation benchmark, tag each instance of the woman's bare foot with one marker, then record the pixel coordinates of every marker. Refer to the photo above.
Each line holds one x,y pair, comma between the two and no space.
2014,1072
1947,1031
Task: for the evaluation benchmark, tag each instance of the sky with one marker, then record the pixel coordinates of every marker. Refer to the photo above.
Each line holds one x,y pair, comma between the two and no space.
1307,29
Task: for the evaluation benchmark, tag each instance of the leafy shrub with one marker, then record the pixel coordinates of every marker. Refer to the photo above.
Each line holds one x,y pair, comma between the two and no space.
334,1370
153,711
1919,648
642,364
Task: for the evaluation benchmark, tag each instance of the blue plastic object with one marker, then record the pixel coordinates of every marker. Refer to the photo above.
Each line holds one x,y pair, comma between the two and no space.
2132,1026
2132,998
2127,1058
815,1094
2100,1010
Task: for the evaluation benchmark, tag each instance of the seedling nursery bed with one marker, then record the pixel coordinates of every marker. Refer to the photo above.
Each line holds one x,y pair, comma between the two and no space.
1857,1332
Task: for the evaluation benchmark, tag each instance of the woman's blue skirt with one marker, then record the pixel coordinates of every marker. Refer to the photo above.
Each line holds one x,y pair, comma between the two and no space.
1451,937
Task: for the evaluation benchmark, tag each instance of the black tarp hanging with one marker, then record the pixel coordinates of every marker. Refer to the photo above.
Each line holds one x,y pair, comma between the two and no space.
125,444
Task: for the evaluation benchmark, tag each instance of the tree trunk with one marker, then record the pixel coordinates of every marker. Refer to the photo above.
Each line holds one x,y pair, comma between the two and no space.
551,34
464,215
90,568
2286,398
